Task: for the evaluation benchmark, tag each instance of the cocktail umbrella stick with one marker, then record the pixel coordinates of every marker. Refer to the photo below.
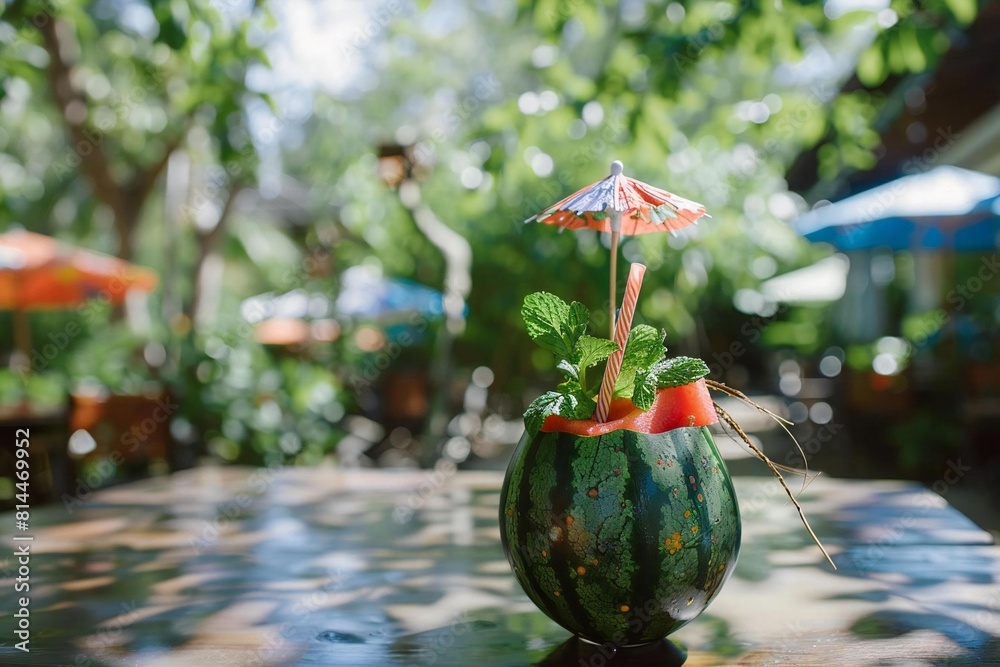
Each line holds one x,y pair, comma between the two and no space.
616,226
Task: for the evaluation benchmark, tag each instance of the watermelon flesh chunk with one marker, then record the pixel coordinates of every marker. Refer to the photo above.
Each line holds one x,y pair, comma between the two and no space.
673,407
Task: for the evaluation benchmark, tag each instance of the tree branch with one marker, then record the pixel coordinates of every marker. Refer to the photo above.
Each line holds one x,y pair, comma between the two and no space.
72,106
145,179
207,244
210,238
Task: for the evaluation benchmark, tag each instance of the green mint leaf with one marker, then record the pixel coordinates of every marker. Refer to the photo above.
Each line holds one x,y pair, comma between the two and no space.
553,324
645,390
569,369
591,350
678,371
576,324
575,405
544,315
665,373
643,349
570,386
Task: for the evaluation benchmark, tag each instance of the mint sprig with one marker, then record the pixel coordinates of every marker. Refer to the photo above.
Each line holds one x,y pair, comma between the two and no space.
590,351
643,349
571,405
674,372
560,328
679,371
553,324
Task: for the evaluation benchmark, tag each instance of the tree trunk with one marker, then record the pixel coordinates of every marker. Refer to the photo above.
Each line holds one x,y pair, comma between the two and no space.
178,176
126,221
208,245
125,197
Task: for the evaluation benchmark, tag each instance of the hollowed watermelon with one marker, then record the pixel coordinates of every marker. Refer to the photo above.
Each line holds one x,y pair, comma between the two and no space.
620,535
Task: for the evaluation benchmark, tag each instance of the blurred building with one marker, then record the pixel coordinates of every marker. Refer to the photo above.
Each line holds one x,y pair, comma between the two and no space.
944,399
948,115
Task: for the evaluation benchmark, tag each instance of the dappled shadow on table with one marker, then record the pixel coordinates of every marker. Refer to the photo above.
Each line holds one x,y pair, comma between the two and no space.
325,567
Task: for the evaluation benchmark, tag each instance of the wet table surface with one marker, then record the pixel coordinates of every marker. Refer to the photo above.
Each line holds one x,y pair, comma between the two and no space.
238,566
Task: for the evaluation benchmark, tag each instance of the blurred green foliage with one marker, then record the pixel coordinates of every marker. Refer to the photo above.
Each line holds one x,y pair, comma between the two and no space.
510,106
250,405
97,95
44,391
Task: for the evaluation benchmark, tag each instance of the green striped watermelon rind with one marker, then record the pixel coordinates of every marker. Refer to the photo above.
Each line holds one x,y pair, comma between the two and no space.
622,537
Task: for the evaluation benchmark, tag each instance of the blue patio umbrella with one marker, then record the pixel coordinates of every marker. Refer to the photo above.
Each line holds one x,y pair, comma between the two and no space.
944,208
365,294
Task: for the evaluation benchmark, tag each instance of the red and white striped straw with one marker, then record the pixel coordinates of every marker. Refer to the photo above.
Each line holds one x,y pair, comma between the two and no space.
622,327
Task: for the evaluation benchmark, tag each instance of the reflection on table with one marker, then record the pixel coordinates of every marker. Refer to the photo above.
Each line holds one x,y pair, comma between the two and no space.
238,566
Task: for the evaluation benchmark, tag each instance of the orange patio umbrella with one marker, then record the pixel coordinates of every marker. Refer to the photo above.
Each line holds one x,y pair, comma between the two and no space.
38,272
621,205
